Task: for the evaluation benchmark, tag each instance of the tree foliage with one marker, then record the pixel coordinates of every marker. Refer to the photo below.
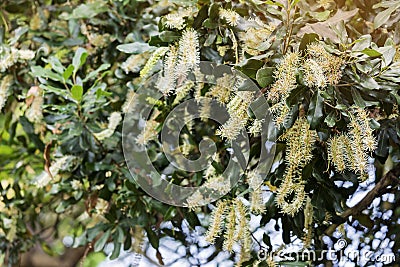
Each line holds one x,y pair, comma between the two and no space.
329,71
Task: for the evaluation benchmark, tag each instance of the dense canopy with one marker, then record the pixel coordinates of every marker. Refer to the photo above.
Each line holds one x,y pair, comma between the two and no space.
197,133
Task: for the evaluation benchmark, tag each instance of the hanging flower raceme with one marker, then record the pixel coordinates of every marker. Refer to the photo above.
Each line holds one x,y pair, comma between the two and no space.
320,67
231,217
285,75
299,145
350,150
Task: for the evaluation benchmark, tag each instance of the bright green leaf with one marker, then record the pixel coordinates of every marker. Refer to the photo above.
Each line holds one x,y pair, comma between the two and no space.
77,92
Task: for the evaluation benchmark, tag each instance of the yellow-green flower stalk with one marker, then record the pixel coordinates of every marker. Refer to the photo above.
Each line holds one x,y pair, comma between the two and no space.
285,75
299,145
229,237
308,223
150,64
217,219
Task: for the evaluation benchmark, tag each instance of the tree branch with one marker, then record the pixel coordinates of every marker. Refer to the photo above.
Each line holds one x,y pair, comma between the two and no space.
389,179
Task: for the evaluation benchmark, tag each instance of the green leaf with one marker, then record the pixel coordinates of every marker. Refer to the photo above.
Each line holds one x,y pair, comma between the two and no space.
250,67
86,11
153,238
384,15
68,72
169,36
100,243
308,38
77,92
94,73
55,64
371,52
358,100
315,112
120,235
79,59
135,48
383,144
365,220
321,16
116,250
265,76
330,120
41,72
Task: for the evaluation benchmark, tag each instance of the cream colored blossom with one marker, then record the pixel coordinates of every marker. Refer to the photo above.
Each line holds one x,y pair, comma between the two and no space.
225,86
76,185
257,205
166,82
101,206
217,219
350,150
256,127
58,165
313,74
237,109
133,63
230,16
8,59
188,53
34,112
229,237
149,66
148,133
175,21
321,67
299,145
25,54
285,75
217,183
205,109
255,37
129,101
113,122
4,89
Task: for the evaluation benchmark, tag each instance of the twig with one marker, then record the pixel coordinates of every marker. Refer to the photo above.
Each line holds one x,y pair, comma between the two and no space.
389,179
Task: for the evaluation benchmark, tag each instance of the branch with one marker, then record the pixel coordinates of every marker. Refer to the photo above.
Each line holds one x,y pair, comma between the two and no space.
389,179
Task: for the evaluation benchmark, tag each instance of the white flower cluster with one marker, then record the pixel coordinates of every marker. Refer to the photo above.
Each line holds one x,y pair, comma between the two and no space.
230,16
60,164
11,56
113,121
34,112
178,62
4,86
177,20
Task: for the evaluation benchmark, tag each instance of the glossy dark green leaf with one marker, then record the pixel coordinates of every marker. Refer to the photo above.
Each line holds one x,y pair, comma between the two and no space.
308,38
315,111
153,238
265,76
100,243
358,100
330,120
